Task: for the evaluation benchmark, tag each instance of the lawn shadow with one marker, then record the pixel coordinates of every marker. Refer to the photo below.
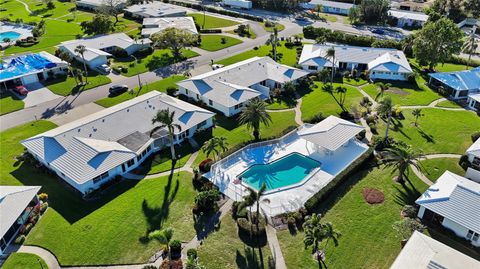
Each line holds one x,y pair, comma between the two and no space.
248,259
226,123
428,138
204,225
407,194
397,126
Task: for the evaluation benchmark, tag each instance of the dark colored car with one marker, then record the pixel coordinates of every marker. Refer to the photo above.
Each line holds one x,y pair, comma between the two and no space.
21,90
117,89
378,31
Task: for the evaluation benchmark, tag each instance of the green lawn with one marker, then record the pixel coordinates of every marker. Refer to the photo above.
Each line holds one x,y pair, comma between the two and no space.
368,239
319,101
24,261
279,27
251,35
214,42
160,85
158,59
9,103
279,104
286,55
224,249
439,131
211,22
328,17
67,85
236,134
354,81
162,161
434,168
449,104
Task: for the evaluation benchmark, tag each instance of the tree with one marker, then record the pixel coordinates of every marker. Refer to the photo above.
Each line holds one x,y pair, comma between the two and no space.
406,227
385,109
64,56
318,9
470,46
328,88
382,87
50,4
253,115
174,39
407,44
354,15
167,120
205,200
400,156
473,6
111,8
163,236
216,144
193,263
373,11
342,95
331,55
417,113
100,24
316,232
273,41
39,29
80,49
323,75
436,42
259,195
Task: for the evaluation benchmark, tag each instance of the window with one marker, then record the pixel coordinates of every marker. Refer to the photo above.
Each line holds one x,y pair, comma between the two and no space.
139,157
201,124
475,237
312,67
210,102
186,91
149,147
238,106
469,234
100,177
130,162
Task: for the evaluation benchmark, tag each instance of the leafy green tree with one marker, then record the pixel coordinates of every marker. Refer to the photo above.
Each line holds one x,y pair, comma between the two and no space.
382,87
205,200
163,236
174,39
373,11
354,15
111,8
316,232
39,29
167,120
417,113
473,6
273,41
254,114
80,49
385,109
436,42
400,156
100,24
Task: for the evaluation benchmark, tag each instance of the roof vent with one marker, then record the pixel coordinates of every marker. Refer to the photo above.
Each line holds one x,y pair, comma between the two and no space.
78,130
128,110
103,120
90,135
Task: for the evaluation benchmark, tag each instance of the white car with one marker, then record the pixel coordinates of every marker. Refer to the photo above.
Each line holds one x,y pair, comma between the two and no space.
217,66
104,68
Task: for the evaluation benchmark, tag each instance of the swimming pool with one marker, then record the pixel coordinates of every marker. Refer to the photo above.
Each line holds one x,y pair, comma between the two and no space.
288,170
10,35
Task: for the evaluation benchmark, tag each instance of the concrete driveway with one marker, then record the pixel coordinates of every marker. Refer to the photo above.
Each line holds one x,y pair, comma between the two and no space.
37,94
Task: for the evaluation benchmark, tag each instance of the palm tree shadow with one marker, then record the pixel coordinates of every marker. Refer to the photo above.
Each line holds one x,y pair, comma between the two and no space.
427,137
248,259
204,225
407,195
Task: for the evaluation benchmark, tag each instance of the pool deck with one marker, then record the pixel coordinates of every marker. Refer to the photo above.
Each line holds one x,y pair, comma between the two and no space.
293,197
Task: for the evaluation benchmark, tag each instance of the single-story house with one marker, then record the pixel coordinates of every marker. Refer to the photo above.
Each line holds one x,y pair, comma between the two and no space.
408,18
230,88
155,9
92,150
410,5
99,47
453,203
16,206
94,4
473,154
380,63
424,252
473,101
242,4
458,84
155,25
29,68
329,6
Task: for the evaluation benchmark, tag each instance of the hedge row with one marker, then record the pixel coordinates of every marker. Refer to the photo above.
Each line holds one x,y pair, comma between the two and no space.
312,203
211,31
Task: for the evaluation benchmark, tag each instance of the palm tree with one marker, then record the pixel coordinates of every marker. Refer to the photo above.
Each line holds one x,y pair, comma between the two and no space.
253,115
470,46
382,87
323,75
217,145
417,113
316,232
342,92
407,44
260,193
318,9
80,49
167,119
328,88
385,109
400,156
273,41
163,236
193,263
330,233
331,55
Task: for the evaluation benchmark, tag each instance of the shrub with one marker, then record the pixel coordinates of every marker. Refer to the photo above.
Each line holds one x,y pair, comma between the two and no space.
172,264
291,222
192,253
205,165
249,228
175,248
20,239
239,214
43,197
409,211
315,118
119,53
464,162
43,207
373,128
131,64
172,90
373,196
475,136
371,119
28,228
361,135
50,5
407,226
379,142
205,200
124,69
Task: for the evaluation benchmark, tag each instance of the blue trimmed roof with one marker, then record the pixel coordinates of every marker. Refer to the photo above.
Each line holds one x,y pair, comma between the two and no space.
461,80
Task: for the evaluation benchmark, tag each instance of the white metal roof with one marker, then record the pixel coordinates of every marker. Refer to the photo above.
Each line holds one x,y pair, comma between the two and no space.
455,198
90,146
13,200
97,3
474,149
411,15
380,59
424,252
331,133
154,25
232,84
156,9
324,3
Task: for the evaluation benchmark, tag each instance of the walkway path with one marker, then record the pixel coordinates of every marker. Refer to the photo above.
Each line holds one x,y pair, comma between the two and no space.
25,5
298,112
422,176
434,104
275,248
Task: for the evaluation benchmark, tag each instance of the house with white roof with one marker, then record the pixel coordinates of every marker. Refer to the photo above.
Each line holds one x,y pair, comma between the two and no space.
406,18
92,150
379,63
99,47
155,25
473,155
16,206
459,84
424,252
155,9
230,88
329,6
453,203
94,4
242,4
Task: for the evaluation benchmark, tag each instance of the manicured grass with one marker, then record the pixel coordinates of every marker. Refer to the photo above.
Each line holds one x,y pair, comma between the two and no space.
329,18
214,42
279,27
160,85
434,168
280,104
162,161
67,84
439,131
285,55
354,81
319,101
158,59
449,104
224,249
368,239
24,261
251,34
211,22
9,103
236,134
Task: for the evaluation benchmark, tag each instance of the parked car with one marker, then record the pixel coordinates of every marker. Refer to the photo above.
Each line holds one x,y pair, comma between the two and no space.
217,66
378,31
20,90
104,68
301,18
117,89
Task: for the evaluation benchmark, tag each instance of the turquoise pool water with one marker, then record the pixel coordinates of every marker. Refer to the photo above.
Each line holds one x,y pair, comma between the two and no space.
288,170
10,35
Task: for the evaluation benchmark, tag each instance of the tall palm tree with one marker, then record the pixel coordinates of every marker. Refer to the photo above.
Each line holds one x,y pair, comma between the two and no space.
260,193
470,46
81,49
331,55
400,156
163,236
217,145
417,113
318,9
385,109
167,119
342,92
330,233
273,41
316,232
254,114
382,87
